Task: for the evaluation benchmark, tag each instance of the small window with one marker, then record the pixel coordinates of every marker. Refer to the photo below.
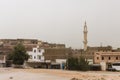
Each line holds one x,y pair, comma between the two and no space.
39,57
39,50
34,50
97,58
116,58
102,58
34,57
109,58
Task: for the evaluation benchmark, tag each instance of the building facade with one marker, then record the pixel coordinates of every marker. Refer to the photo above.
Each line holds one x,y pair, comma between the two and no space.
57,53
36,55
107,57
37,59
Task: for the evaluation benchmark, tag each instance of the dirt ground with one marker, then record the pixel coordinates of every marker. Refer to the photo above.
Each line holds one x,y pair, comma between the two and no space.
49,74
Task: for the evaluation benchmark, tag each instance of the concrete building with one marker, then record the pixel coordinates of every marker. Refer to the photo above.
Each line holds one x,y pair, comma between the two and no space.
105,59
37,58
57,53
59,64
48,57
89,53
36,55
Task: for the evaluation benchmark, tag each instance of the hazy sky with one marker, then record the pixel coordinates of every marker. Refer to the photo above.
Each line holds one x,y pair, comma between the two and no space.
62,21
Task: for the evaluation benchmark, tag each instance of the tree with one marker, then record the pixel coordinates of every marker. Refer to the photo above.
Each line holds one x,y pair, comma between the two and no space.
77,64
72,63
83,64
19,55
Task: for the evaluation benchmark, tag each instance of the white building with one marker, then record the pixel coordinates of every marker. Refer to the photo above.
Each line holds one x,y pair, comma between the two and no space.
59,64
36,55
62,63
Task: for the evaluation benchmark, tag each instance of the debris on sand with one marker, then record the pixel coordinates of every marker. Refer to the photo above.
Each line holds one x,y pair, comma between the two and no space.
75,79
11,78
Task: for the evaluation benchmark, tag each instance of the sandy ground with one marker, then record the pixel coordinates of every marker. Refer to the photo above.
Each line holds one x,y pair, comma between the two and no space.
47,74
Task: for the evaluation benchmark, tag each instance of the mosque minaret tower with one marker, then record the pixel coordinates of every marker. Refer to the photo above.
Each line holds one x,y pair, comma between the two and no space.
85,36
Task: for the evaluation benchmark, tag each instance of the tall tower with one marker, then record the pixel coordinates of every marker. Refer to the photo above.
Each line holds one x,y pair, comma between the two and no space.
85,36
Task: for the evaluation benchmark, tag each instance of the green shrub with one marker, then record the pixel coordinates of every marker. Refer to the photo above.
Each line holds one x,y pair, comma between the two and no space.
77,64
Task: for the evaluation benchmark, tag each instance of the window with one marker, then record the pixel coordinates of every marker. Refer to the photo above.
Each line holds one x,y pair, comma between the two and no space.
97,58
109,58
39,57
34,50
116,58
39,50
34,57
102,58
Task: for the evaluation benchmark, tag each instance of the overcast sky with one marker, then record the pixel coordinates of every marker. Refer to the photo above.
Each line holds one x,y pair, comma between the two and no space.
62,21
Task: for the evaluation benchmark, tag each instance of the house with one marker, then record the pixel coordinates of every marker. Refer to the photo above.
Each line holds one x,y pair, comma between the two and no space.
37,59
36,55
105,59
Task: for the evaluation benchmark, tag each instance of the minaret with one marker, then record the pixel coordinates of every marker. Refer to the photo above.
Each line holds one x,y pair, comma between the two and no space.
85,37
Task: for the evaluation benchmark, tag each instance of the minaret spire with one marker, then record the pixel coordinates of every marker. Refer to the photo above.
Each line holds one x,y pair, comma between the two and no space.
85,36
